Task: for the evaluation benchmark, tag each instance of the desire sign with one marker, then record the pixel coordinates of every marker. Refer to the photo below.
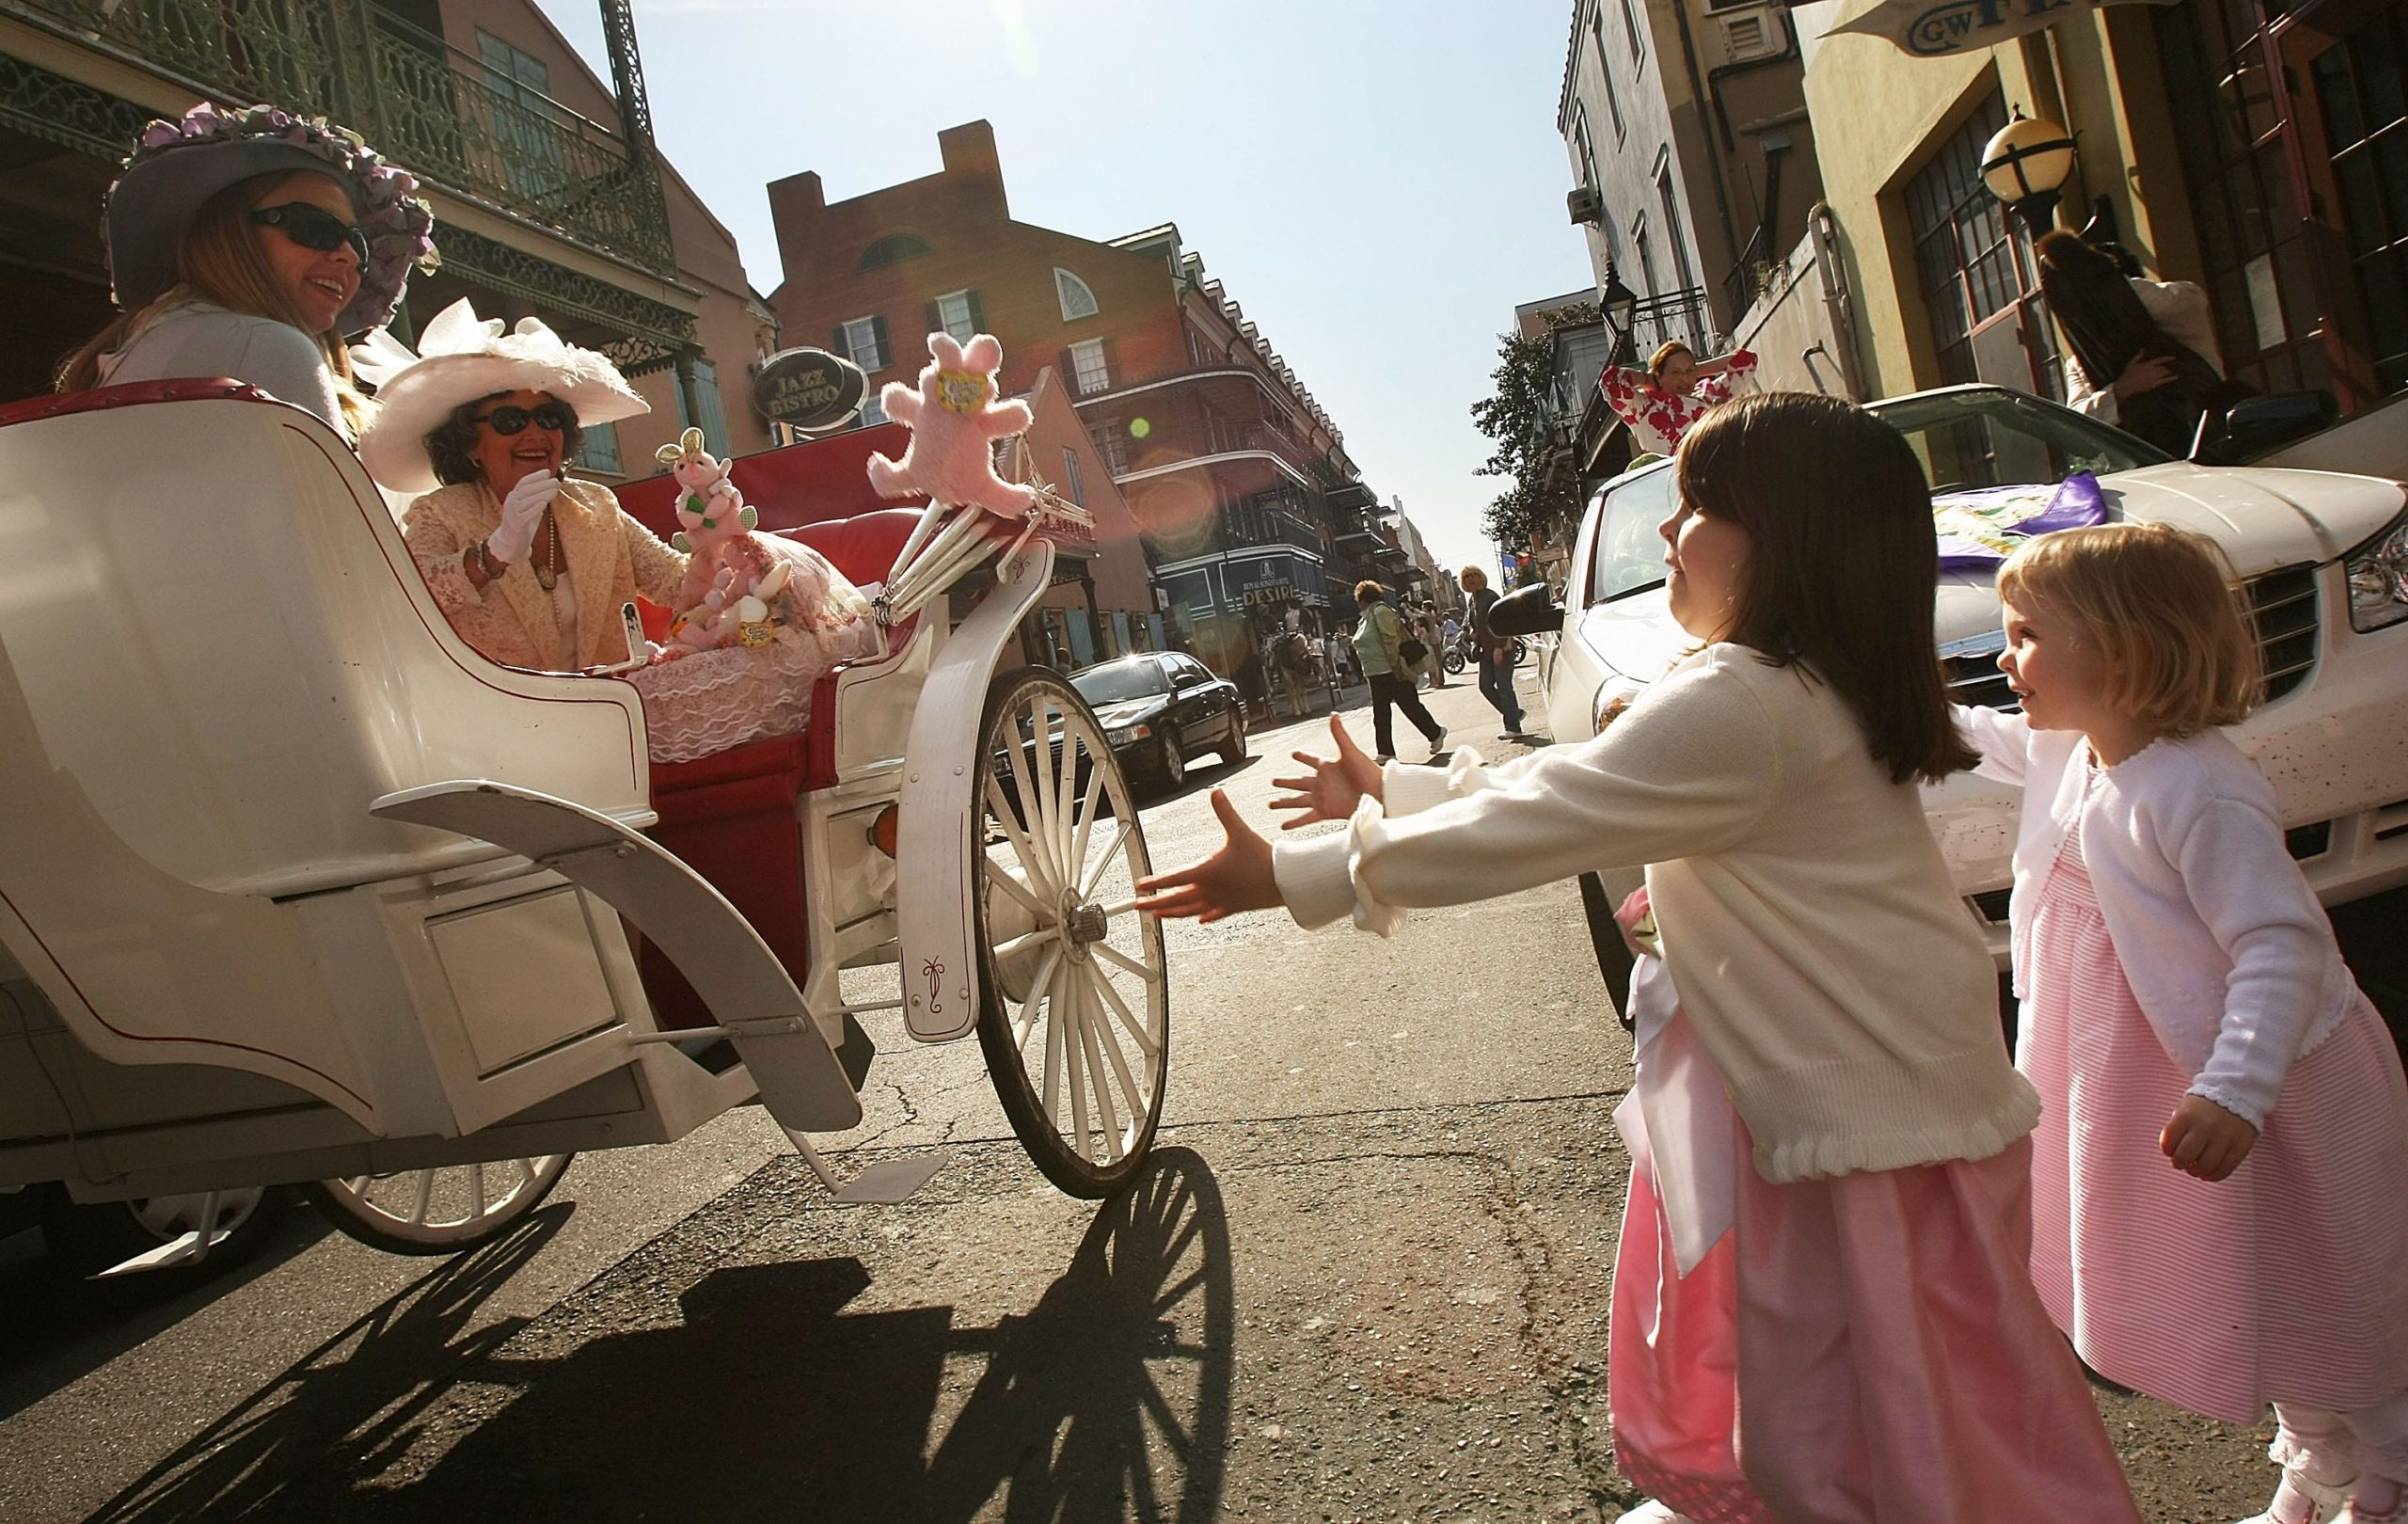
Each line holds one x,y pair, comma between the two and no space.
808,389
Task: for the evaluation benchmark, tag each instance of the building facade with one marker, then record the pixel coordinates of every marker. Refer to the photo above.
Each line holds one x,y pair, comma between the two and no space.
2251,146
1246,505
1692,159
549,197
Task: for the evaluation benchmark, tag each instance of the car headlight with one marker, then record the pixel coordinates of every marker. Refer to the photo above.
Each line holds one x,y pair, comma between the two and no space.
1123,735
2378,573
1613,696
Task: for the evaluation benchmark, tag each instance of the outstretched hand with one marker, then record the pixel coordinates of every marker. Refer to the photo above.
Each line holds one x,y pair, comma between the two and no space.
1334,786
1236,877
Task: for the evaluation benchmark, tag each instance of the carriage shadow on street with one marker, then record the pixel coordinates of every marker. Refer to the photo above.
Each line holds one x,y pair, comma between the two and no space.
1108,1398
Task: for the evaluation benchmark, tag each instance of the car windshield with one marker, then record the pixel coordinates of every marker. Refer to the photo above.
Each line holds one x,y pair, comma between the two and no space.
1965,439
1987,438
1120,682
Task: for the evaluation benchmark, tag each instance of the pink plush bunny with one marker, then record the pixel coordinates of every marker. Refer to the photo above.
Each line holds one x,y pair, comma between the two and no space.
955,421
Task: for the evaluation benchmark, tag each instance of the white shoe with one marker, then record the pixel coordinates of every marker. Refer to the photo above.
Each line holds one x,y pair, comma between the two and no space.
1439,743
2299,1500
1653,1511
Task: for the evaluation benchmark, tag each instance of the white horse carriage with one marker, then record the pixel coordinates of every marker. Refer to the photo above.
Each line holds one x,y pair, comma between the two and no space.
296,886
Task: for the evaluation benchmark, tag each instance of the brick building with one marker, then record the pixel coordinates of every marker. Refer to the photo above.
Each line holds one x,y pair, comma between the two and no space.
1248,507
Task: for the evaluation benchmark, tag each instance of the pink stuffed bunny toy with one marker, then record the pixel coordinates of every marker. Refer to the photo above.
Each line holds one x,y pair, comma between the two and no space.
955,421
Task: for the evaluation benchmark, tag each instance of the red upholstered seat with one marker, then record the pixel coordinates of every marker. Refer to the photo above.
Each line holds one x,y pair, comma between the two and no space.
731,815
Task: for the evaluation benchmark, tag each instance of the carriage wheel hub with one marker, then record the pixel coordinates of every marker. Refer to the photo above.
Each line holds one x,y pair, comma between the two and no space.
1085,924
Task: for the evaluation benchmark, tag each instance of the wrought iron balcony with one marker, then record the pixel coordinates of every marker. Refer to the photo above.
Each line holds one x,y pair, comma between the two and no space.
420,102
1202,441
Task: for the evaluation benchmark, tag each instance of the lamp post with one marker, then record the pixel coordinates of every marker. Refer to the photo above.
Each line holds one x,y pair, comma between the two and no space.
1621,306
2026,165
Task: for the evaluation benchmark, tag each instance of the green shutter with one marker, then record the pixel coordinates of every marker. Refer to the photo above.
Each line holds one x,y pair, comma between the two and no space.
977,313
885,352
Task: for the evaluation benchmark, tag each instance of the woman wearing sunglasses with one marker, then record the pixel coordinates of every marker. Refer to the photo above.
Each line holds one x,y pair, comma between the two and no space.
247,245
529,564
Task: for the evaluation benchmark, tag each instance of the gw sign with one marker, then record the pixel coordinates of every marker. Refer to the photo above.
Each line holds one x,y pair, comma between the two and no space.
808,389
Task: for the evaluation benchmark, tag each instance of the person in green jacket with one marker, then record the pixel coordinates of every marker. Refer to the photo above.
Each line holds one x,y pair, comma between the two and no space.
1378,641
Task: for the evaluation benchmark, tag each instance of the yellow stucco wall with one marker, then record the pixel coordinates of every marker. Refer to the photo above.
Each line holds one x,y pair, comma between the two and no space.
1880,114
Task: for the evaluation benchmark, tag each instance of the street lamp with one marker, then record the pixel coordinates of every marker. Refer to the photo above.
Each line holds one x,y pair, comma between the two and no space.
2025,165
1620,307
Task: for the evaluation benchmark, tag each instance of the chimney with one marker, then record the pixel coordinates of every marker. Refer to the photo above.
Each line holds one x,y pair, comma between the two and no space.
797,206
970,157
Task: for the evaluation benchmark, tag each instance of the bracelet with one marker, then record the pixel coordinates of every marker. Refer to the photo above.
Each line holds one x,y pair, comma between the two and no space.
484,562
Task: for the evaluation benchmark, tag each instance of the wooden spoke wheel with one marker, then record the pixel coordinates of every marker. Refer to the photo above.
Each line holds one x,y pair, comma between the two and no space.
443,1210
1074,996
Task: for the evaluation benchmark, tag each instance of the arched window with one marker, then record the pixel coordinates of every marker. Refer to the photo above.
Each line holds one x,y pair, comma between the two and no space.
893,250
1077,300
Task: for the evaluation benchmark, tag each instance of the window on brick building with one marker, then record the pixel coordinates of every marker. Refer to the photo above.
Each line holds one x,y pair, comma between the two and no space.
1112,447
958,313
1089,368
1071,481
1077,300
893,250
864,341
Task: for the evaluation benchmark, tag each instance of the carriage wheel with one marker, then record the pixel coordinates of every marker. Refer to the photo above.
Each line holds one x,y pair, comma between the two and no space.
444,1211
1074,994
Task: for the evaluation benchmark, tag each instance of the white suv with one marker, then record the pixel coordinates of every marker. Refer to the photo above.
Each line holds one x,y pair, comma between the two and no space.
2324,557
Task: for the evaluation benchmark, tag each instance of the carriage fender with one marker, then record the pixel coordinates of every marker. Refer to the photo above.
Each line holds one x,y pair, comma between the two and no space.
943,781
738,978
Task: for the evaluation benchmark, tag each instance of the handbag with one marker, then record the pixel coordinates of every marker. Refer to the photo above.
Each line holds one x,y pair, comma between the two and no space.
1413,652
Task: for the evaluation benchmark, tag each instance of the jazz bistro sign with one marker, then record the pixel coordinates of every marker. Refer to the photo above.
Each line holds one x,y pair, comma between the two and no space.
808,389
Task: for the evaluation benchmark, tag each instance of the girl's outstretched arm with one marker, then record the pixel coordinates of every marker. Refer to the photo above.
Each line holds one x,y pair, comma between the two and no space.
1236,877
1332,785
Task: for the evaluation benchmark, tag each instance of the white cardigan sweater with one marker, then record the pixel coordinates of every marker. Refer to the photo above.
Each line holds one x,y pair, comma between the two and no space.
1826,962
2226,950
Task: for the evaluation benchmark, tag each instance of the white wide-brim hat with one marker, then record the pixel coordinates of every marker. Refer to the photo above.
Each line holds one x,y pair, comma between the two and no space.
460,359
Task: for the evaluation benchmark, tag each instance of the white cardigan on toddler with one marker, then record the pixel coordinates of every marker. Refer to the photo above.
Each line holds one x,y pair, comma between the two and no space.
2226,948
1828,965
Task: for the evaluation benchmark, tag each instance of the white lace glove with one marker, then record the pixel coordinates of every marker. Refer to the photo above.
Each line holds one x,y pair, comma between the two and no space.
515,536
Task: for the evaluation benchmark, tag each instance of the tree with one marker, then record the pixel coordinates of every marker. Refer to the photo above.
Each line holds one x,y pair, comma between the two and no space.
1519,416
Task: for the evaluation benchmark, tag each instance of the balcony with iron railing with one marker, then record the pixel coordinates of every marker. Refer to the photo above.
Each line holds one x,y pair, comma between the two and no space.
1202,443
422,104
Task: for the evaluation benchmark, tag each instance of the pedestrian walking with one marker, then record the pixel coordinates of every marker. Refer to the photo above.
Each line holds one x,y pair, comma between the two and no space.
2183,1001
1292,654
1493,656
1425,629
1379,645
1887,1355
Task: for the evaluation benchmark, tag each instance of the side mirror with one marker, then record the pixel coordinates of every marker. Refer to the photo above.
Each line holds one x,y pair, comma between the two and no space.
1181,682
1526,611
2259,425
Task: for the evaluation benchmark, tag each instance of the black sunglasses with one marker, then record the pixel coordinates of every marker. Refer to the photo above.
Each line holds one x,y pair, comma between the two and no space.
314,227
507,420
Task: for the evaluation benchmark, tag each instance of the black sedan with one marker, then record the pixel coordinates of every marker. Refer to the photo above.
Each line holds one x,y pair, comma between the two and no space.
1158,709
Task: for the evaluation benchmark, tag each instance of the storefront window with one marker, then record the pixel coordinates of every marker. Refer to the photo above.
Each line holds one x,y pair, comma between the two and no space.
1973,267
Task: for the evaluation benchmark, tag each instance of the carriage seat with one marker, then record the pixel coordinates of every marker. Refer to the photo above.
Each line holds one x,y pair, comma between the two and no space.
731,815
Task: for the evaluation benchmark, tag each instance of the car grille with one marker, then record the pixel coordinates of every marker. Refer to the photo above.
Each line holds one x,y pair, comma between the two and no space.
2282,605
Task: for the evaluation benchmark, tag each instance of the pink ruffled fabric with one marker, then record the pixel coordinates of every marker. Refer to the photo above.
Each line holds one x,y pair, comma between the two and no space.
713,700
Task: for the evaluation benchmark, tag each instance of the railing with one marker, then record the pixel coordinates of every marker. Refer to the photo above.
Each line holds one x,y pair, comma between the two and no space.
1165,443
1673,314
420,102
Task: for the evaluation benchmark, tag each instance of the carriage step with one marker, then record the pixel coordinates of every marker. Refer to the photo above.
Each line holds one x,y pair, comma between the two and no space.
883,1183
182,1249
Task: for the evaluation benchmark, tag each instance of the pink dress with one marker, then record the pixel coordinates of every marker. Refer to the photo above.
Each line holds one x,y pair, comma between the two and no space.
2290,1281
1862,1349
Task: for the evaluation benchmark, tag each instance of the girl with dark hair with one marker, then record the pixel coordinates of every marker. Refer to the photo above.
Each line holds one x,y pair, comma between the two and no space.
1851,1139
2141,353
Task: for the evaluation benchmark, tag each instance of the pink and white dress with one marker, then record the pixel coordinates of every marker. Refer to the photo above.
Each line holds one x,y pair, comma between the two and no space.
1659,418
2288,1280
1861,1347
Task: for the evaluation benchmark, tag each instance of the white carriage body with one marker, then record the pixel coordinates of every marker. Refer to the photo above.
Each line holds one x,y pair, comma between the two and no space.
296,884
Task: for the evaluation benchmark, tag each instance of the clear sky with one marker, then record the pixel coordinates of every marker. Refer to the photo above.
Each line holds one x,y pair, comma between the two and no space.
1378,184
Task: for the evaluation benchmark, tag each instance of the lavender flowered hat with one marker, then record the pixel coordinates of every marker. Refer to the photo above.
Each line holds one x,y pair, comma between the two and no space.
177,167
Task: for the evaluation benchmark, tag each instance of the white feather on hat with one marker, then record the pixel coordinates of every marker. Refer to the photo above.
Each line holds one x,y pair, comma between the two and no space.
460,359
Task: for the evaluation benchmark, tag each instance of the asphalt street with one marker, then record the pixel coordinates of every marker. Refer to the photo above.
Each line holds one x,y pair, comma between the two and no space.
1364,1279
